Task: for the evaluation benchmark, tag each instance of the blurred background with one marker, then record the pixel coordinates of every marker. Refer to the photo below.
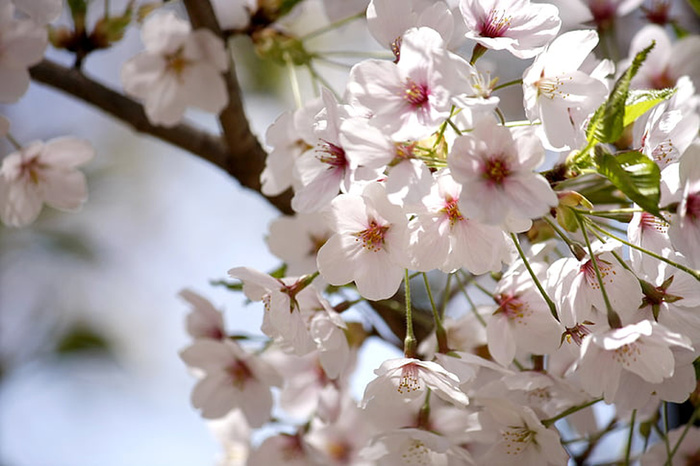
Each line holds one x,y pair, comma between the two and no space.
90,320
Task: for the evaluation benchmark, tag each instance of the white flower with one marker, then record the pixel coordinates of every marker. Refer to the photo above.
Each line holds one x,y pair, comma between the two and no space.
560,95
296,240
233,14
667,61
521,439
233,379
523,320
644,349
408,379
444,238
408,447
518,26
204,321
688,451
40,11
499,185
685,230
22,44
369,246
410,99
179,68
574,285
388,20
43,173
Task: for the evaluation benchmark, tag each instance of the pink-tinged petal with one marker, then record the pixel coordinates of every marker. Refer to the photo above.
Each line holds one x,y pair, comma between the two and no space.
164,33
211,48
256,403
41,11
141,73
501,342
214,395
255,283
66,190
67,152
568,51
332,260
651,362
376,277
20,203
349,214
23,44
165,104
13,84
430,244
204,87
209,355
387,20
531,196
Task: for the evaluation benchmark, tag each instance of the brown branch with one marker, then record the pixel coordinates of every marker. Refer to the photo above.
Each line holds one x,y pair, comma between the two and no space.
241,162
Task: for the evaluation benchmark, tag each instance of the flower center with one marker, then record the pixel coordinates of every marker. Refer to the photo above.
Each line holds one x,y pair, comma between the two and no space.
396,48
373,236
662,80
495,170
549,87
517,439
627,354
451,210
416,453
576,333
176,63
240,373
496,24
652,222
332,155
410,381
512,307
416,94
31,168
692,207
607,273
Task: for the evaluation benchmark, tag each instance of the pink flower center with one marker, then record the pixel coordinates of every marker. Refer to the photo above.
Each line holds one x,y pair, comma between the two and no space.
607,272
662,80
332,155
658,13
373,236
692,207
451,210
31,169
576,333
496,24
603,11
176,63
240,373
651,222
416,94
495,170
409,381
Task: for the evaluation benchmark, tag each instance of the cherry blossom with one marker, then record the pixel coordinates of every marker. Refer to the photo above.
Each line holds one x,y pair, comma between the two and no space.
179,68
518,26
499,186
558,93
685,231
233,379
204,321
43,173
409,99
369,246
22,44
446,239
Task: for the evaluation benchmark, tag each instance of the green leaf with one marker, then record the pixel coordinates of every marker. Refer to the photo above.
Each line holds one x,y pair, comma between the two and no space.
287,5
607,122
82,338
641,101
633,173
78,11
695,5
230,285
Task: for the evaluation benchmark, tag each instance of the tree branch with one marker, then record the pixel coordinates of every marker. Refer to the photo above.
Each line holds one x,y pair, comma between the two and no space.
238,160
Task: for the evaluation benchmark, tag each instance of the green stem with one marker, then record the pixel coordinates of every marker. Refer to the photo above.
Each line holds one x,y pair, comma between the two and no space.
548,300
613,318
331,26
559,232
509,83
500,115
294,80
471,303
439,329
445,296
628,449
694,273
409,343
322,80
13,141
454,127
478,51
549,422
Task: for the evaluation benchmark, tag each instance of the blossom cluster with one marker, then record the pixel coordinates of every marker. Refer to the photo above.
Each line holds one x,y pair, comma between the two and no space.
580,224
413,170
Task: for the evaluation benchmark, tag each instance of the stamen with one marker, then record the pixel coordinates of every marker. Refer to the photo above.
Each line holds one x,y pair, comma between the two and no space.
334,155
451,209
496,24
495,170
373,236
416,94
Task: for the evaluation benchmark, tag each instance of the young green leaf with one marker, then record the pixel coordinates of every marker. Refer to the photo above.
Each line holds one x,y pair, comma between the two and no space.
633,173
607,122
641,101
